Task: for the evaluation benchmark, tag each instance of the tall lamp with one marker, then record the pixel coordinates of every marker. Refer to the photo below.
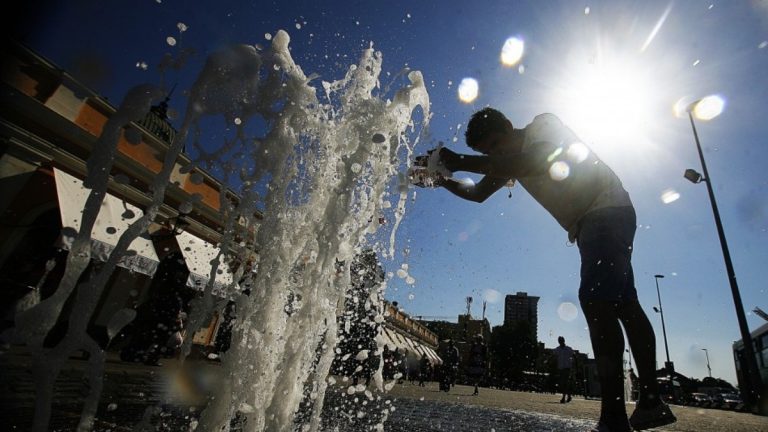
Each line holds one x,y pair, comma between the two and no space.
669,366
706,351
706,109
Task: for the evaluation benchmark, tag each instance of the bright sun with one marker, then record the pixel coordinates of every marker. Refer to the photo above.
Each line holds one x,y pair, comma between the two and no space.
607,101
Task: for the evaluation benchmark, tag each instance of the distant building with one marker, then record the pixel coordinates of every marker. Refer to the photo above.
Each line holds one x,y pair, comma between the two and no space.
760,341
50,125
463,333
522,307
469,328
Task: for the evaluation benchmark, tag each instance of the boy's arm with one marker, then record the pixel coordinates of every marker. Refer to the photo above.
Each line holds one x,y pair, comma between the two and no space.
498,166
474,192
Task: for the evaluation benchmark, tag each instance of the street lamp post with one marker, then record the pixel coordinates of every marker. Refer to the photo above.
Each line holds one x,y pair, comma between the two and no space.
706,351
669,366
752,378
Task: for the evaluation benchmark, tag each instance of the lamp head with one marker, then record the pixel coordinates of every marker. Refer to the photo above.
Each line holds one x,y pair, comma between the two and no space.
693,176
659,276
706,108
655,309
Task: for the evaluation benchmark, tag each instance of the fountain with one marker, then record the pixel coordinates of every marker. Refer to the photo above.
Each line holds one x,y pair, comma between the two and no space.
321,172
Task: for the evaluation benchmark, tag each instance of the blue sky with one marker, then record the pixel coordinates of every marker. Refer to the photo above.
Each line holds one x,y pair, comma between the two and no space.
657,52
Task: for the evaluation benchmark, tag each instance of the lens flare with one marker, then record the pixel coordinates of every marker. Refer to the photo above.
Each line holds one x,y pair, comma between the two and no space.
559,171
709,107
577,152
468,90
512,51
669,196
567,311
492,296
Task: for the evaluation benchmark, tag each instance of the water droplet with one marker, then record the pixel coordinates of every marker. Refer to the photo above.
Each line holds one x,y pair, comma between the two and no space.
468,90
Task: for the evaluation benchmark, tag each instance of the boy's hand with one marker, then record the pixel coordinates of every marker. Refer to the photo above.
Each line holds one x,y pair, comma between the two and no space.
423,160
450,159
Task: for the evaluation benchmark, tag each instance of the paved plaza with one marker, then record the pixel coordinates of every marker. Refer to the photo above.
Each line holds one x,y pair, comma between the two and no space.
131,391
501,410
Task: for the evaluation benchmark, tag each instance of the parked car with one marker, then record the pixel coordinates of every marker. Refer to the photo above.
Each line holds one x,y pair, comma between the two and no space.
700,398
731,399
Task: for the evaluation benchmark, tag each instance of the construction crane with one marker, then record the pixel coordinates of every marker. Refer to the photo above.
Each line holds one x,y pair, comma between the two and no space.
759,312
433,317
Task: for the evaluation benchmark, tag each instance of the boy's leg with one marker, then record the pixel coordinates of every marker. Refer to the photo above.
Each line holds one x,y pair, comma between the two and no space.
642,340
650,410
608,346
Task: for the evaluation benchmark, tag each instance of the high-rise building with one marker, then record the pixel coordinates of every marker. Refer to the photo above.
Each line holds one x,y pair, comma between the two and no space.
522,307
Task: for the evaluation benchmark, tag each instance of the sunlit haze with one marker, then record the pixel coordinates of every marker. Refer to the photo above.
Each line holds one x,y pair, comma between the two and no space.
612,71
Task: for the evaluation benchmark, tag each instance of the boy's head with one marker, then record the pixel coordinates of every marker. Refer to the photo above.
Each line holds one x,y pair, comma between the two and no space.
482,125
561,340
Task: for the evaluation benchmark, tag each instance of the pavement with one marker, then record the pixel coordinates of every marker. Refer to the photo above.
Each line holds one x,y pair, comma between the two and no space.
135,391
503,410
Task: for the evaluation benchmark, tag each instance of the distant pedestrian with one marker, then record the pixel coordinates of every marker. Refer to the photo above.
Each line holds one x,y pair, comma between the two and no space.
388,357
450,366
564,355
478,360
401,366
424,369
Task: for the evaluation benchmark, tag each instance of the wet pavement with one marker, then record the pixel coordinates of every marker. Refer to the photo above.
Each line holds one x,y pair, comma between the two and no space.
134,391
434,416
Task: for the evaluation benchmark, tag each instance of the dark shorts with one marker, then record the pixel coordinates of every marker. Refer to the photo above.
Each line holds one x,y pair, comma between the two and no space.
476,371
605,242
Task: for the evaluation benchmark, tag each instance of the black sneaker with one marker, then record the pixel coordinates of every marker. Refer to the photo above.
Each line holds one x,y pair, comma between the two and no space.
647,418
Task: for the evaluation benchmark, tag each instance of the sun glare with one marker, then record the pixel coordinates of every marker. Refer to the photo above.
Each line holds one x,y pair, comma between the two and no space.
607,101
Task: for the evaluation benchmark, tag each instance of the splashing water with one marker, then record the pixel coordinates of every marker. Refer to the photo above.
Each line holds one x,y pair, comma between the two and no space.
321,172
345,168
